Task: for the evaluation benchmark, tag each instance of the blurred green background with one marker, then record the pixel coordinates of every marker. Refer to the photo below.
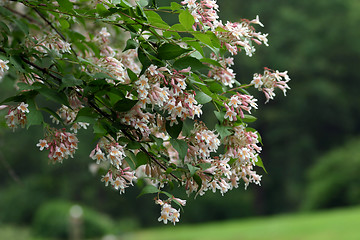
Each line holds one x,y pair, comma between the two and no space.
311,146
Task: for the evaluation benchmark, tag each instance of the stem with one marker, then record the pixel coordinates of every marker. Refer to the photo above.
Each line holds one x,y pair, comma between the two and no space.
22,15
241,87
54,28
50,24
11,172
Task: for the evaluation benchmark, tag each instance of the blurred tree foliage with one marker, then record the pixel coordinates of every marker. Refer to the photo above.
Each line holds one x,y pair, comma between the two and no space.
314,40
334,179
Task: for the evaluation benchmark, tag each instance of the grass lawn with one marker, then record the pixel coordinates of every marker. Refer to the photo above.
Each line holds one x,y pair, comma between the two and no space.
340,224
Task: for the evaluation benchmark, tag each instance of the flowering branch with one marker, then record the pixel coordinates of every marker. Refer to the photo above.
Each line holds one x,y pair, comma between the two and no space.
144,100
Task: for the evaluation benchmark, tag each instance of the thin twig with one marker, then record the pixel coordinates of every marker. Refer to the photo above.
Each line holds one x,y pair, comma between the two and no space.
54,28
49,23
44,70
132,139
241,87
22,15
11,172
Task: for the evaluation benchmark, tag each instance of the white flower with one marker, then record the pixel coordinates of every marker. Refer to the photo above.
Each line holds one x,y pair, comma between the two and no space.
42,144
3,66
23,107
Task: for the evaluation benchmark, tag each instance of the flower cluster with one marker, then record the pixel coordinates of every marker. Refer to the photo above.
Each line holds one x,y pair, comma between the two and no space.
223,74
270,80
51,42
202,142
205,13
235,35
113,60
119,174
240,35
237,104
243,149
169,213
119,179
17,116
68,116
61,144
3,68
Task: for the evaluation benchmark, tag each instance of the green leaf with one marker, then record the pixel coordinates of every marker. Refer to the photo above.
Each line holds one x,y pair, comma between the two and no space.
22,26
65,5
149,189
223,131
188,126
180,146
214,39
205,166
101,75
204,38
133,145
131,44
215,87
178,27
124,105
99,129
130,159
24,86
16,62
248,118
141,159
159,141
175,129
143,3
186,62
64,23
260,163
86,115
51,112
220,116
197,46
133,77
101,10
211,61
70,81
169,51
34,117
155,20
130,162
53,95
192,169
144,59
202,98
175,6
198,181
19,98
187,20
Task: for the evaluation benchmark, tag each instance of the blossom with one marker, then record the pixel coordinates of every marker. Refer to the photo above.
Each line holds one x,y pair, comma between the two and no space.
168,213
270,80
107,178
230,114
98,156
17,116
257,21
42,144
3,66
